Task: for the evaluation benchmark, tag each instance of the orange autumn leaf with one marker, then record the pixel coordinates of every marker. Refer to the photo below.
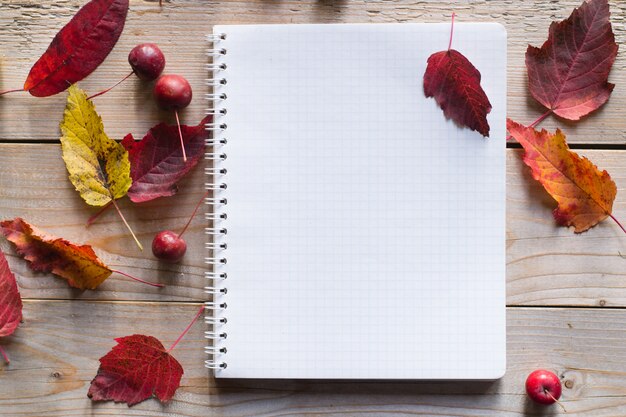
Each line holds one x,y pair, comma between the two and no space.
79,265
584,193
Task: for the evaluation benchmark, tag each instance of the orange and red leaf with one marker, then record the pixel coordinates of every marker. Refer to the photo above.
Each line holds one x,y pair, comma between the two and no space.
78,264
584,194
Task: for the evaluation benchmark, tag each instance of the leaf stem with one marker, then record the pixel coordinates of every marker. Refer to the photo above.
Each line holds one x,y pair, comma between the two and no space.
198,314
194,213
4,355
451,31
138,279
535,123
11,91
93,218
180,133
112,87
127,225
618,223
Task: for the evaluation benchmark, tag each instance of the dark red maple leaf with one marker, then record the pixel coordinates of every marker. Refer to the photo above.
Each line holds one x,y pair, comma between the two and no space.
157,163
569,73
454,82
137,368
79,48
10,302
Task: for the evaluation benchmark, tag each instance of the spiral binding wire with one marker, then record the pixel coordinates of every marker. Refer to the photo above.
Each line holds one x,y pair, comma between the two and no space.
216,207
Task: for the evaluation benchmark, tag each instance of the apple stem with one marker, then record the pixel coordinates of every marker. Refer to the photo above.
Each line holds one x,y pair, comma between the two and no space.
549,394
180,133
195,210
11,91
152,284
198,314
127,225
112,87
451,31
618,223
536,122
4,355
93,218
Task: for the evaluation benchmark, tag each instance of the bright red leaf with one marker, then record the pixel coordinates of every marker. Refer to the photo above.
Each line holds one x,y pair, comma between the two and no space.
454,82
79,48
569,73
137,368
10,300
10,303
157,160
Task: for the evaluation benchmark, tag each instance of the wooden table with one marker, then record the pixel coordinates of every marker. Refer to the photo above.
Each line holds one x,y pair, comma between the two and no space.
566,293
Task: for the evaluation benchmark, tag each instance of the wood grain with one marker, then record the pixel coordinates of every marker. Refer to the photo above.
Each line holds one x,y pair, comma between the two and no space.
179,28
547,264
55,355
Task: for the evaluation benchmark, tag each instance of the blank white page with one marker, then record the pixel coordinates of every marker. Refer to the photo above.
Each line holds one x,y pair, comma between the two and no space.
366,233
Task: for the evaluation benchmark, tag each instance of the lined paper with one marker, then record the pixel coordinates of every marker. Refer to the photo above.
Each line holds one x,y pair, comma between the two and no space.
366,233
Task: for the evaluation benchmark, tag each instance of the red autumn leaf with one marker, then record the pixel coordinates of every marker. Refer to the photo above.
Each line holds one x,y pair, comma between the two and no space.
10,303
79,265
137,368
79,48
156,162
10,300
584,194
454,82
569,73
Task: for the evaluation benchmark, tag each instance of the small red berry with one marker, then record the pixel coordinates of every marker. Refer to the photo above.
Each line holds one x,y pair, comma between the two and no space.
147,61
169,246
543,387
172,92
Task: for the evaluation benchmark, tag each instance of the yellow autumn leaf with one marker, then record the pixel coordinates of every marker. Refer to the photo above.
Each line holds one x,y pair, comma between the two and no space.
98,166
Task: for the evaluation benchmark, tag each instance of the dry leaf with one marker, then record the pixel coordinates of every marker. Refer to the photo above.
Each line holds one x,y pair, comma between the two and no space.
98,166
79,265
156,162
569,73
10,303
79,48
584,194
137,368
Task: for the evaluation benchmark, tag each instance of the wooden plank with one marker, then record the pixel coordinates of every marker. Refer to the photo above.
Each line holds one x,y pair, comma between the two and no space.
551,265
55,355
179,28
547,264
34,185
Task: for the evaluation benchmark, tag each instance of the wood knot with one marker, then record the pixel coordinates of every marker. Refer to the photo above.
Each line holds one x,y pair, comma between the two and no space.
602,303
56,375
569,384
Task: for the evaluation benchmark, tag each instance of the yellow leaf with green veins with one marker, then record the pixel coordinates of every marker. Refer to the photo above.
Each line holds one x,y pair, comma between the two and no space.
98,166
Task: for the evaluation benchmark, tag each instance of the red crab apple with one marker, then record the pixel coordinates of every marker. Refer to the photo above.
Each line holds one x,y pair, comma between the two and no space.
147,63
170,246
543,387
173,92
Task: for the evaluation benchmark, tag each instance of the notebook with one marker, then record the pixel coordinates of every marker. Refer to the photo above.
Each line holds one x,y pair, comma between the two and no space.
354,232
